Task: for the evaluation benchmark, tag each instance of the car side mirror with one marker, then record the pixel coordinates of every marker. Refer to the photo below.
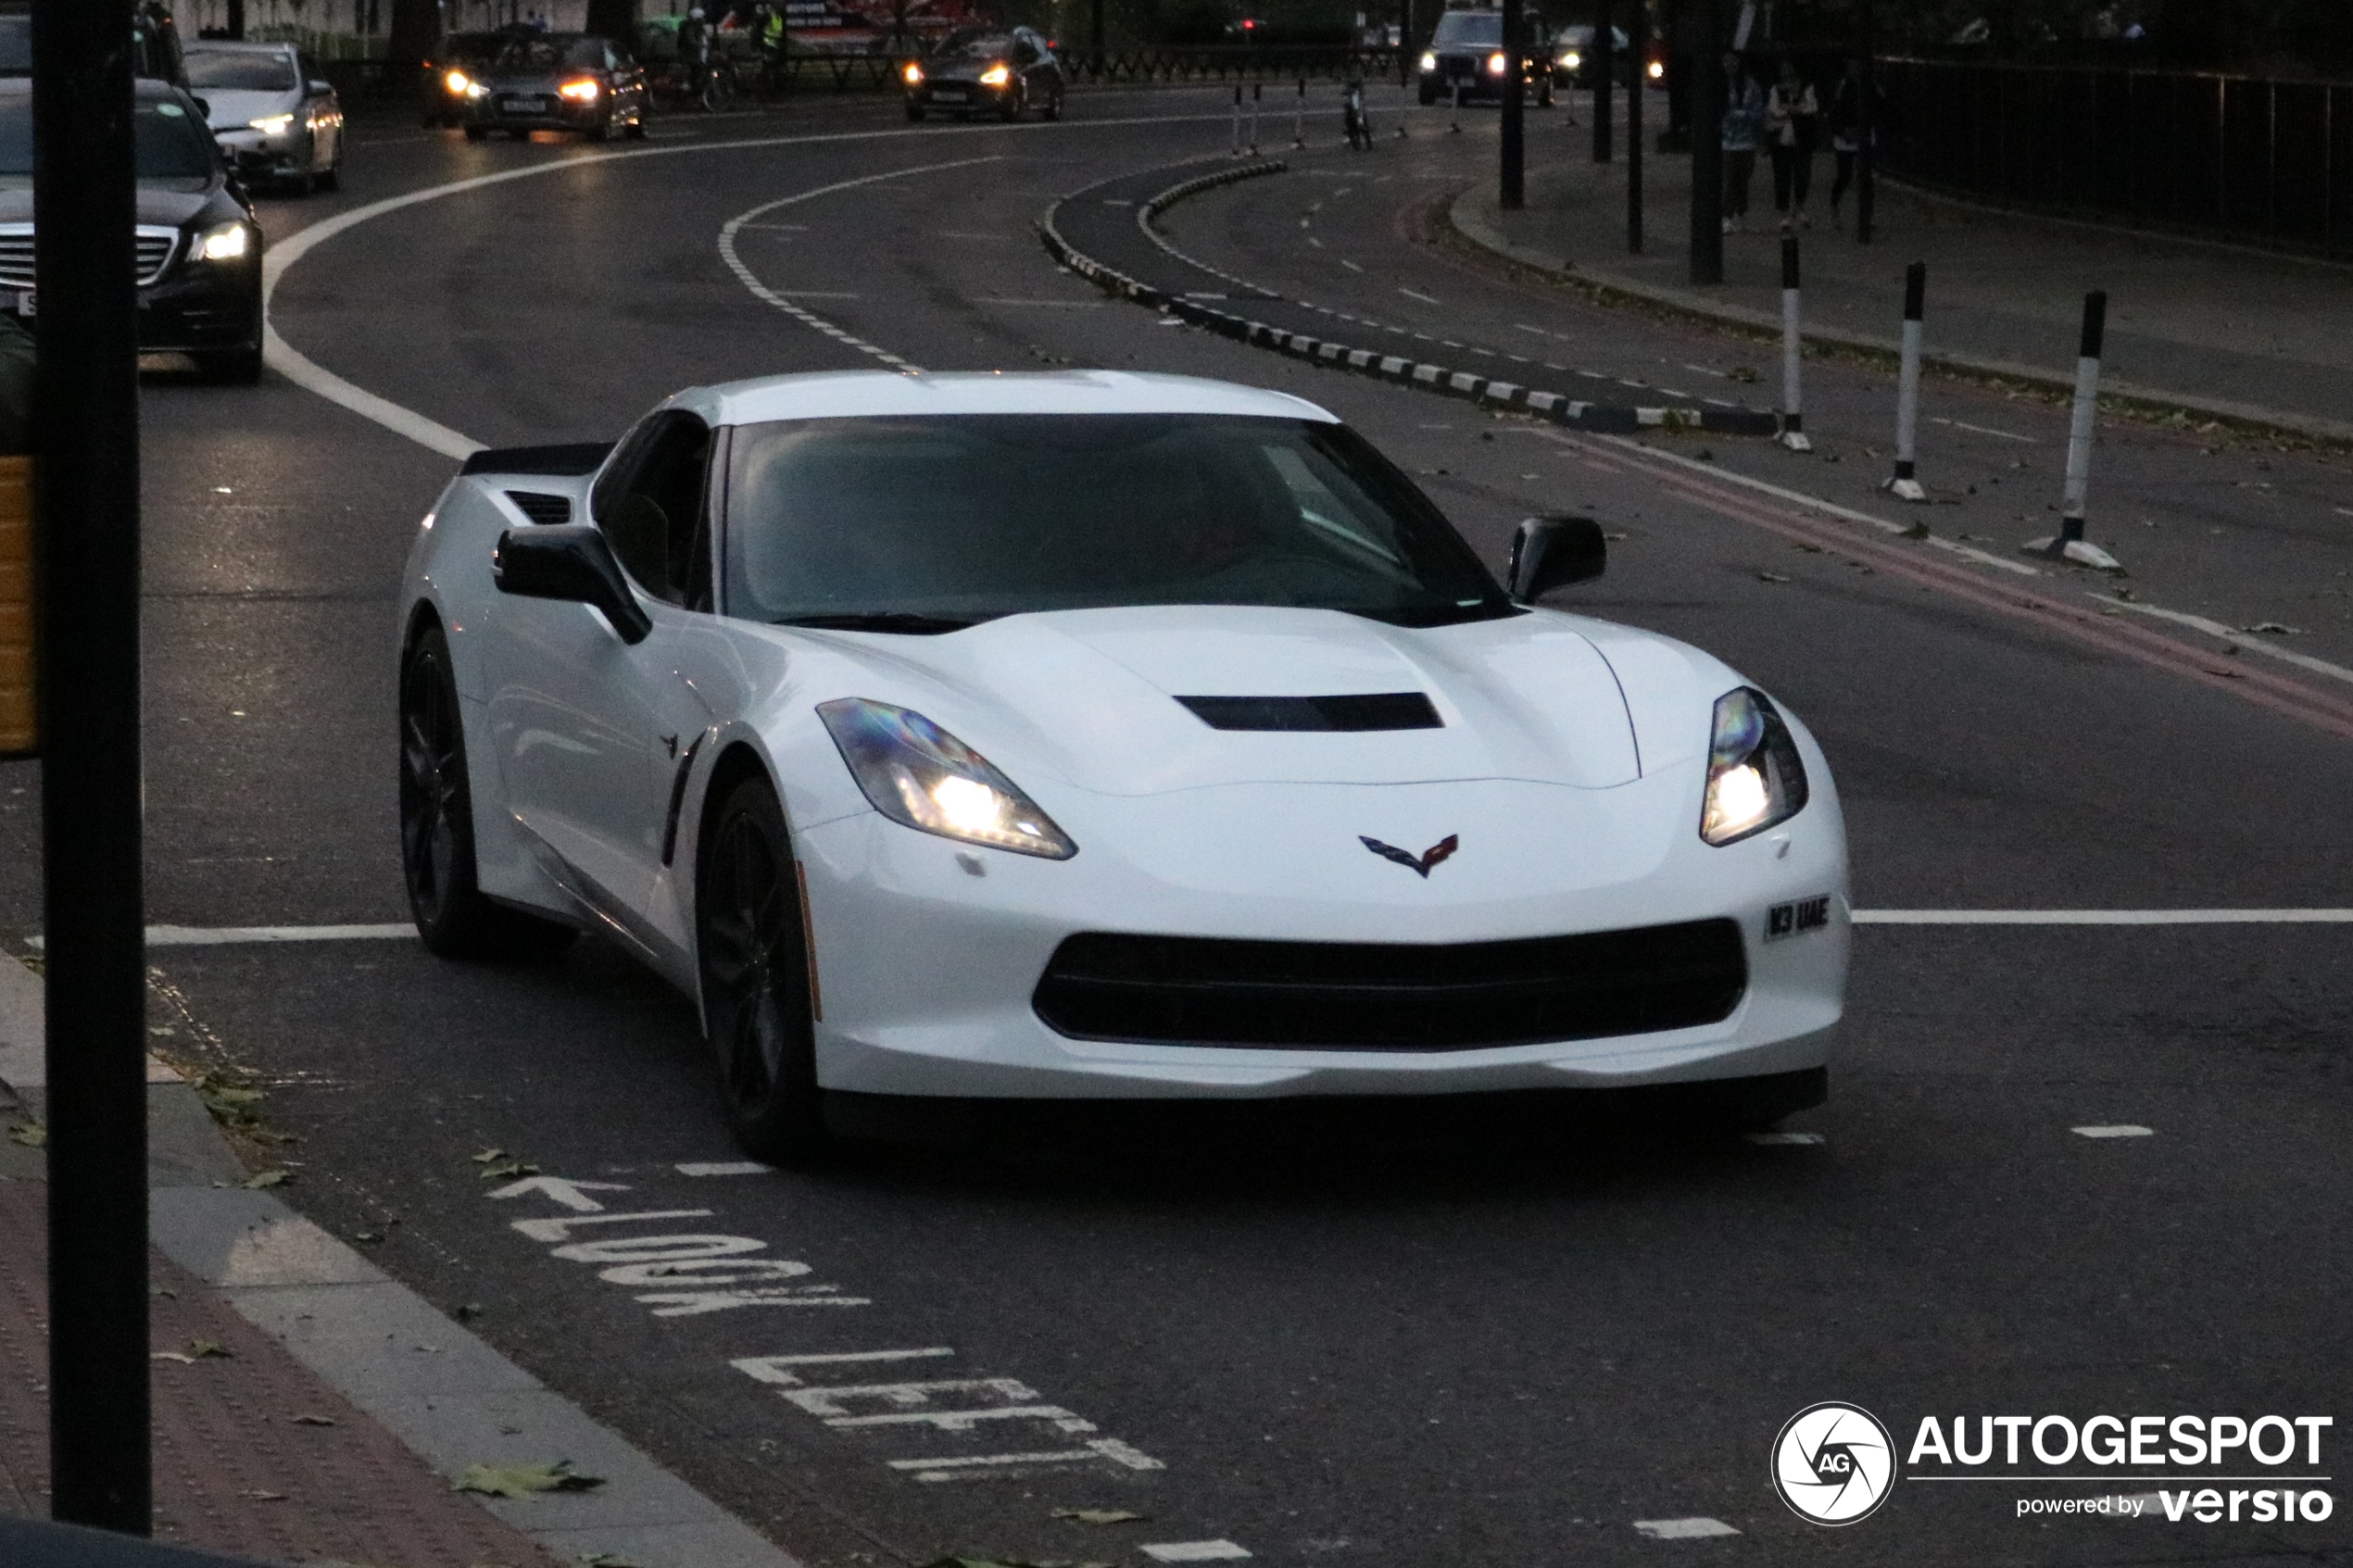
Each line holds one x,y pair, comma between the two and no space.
1550,552
203,107
322,89
569,561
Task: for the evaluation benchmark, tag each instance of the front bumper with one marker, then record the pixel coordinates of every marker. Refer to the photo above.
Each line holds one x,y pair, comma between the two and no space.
959,96
926,967
516,112
258,156
200,306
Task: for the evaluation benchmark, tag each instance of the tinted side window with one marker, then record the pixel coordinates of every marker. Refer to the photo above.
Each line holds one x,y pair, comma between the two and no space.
650,506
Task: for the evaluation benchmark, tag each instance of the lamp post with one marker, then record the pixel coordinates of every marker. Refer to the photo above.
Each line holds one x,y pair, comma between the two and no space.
1604,77
1708,141
1513,193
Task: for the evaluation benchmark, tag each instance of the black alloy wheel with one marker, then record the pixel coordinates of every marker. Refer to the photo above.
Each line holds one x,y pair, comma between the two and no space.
755,980
453,918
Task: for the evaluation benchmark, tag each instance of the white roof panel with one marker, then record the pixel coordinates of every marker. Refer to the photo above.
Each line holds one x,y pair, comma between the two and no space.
872,394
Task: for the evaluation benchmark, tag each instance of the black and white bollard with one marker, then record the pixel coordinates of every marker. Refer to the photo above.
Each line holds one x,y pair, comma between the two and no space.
1299,117
1905,485
1792,353
1238,119
1257,96
2070,544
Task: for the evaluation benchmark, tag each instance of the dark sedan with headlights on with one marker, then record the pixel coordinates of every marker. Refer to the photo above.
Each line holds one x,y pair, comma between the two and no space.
557,82
1000,73
199,248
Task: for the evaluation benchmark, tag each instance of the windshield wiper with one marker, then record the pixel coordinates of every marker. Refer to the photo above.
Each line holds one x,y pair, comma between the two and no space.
909,623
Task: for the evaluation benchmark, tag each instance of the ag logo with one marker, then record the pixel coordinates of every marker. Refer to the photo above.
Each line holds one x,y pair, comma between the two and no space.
1834,1463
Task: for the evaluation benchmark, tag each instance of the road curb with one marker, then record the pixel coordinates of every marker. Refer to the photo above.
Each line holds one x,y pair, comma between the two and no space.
1561,408
442,1391
1472,226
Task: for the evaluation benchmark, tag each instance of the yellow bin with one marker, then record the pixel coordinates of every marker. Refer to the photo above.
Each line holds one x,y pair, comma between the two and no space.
20,735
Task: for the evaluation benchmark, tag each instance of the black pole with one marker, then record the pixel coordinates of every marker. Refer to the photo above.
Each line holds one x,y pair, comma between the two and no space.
236,18
1605,78
1634,149
86,543
1095,27
1866,133
1706,39
1404,48
1514,194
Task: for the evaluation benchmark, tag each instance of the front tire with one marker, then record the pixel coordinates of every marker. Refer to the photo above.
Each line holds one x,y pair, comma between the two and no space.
230,366
454,920
916,112
754,959
477,132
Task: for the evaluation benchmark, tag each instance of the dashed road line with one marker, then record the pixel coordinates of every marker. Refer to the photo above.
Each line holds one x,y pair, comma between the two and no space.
1426,299
723,1168
1783,1140
1982,430
2122,1130
1683,1529
2234,636
1194,1551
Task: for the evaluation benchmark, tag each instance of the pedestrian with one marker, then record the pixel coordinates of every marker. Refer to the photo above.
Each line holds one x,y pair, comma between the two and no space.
1743,123
1845,117
15,389
1793,125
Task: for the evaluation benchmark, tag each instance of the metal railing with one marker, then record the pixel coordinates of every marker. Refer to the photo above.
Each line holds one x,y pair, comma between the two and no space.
1232,62
2247,158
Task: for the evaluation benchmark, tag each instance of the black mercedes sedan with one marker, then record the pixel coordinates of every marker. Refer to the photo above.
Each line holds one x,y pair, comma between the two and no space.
1000,73
199,246
557,81
1467,58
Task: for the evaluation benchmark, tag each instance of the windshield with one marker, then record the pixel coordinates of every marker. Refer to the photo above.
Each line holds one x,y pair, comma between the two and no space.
1469,27
926,524
16,45
989,46
170,143
240,72
541,55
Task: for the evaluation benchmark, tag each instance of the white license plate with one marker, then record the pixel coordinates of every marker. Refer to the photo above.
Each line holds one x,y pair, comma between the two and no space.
526,106
950,95
24,304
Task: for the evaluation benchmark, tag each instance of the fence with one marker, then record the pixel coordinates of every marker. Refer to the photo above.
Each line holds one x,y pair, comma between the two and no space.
1239,62
2254,160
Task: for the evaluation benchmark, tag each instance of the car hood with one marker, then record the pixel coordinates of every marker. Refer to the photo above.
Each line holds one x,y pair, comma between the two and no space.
234,108
543,81
169,204
1091,697
961,70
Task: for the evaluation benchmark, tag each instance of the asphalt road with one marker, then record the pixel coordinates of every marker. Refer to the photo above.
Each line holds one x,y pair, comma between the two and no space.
1466,1334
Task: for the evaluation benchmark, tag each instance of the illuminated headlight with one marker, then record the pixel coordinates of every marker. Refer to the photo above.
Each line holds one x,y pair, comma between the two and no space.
912,75
582,92
1430,62
458,83
1571,60
230,242
996,75
1658,70
922,777
1754,776
1495,63
273,124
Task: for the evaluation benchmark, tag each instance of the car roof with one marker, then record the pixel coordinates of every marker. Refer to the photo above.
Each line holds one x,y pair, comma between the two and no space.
226,46
882,394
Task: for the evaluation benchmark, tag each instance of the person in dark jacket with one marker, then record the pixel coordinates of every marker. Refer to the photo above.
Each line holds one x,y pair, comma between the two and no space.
15,389
1845,117
1793,125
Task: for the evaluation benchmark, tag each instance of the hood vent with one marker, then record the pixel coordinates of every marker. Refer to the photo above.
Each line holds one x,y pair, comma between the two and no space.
541,507
1375,711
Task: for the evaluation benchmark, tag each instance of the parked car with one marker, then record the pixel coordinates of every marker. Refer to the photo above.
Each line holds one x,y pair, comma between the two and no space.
199,245
155,42
1001,74
462,58
1575,65
1466,55
274,120
559,81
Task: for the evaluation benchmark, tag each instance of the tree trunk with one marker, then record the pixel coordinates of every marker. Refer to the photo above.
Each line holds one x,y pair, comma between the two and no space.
616,19
416,31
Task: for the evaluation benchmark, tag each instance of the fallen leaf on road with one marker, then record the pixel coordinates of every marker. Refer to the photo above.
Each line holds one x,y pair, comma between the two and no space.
468,1311
2279,627
525,1480
1918,531
509,1171
1100,1516
33,1134
608,1560
171,1356
268,1179
202,1347
1771,577
485,1156
308,1420
257,1495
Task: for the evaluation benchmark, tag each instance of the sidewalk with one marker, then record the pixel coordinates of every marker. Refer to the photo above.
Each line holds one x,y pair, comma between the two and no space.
308,1408
2218,332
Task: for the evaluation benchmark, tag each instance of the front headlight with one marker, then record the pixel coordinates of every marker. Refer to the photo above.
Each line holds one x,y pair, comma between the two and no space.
1495,63
1754,776
1430,62
581,92
912,75
229,241
1657,70
273,124
458,83
996,75
1571,60
922,777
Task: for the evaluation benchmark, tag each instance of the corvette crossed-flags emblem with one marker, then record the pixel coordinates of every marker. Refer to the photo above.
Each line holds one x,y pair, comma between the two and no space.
1418,864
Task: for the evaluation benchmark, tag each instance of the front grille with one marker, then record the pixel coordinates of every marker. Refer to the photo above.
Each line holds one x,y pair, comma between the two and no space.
1392,997
155,247
1372,710
540,506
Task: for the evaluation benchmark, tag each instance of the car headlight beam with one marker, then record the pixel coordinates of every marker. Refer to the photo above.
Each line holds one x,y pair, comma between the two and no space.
920,776
912,74
1495,63
581,92
996,75
1430,62
457,83
1755,778
273,124
227,241
1571,60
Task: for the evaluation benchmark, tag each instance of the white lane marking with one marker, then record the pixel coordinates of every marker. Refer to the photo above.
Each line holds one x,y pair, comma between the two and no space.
2122,1130
571,1195
1983,430
223,936
1354,268
781,228
296,367
1195,1551
1682,1529
770,1368
819,293
1426,299
783,301
1053,304
976,1467
2232,636
2103,917
723,1168
1774,1140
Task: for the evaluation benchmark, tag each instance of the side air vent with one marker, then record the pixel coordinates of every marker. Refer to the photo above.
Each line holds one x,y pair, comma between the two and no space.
541,507
1375,711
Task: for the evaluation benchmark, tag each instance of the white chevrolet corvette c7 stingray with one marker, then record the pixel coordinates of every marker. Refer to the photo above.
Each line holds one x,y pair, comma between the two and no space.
1096,736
